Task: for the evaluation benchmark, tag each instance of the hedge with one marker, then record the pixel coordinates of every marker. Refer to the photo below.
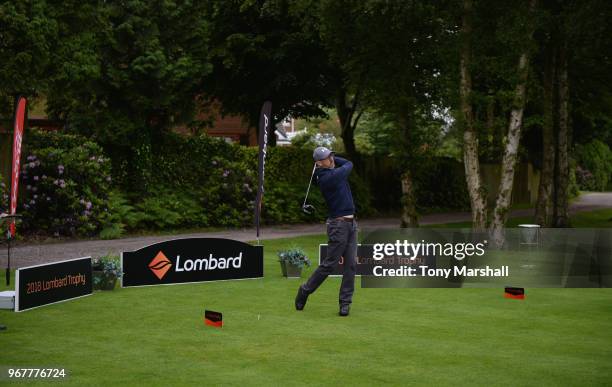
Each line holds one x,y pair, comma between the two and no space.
195,182
187,182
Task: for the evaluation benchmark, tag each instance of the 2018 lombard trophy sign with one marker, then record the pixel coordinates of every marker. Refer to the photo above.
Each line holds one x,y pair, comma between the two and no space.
191,260
53,282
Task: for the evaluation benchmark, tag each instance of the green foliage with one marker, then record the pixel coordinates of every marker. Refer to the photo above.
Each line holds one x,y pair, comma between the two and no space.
168,209
573,188
65,182
594,169
283,203
28,34
109,264
193,182
269,50
375,134
125,72
121,216
107,269
440,184
220,181
294,256
312,138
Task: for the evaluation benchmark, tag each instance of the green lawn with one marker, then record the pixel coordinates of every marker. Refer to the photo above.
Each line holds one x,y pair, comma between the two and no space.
589,219
155,335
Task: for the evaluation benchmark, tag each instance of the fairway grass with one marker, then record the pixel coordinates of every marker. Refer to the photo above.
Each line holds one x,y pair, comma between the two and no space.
155,336
601,218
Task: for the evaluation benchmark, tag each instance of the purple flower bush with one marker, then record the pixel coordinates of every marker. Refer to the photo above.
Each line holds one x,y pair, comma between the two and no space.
67,185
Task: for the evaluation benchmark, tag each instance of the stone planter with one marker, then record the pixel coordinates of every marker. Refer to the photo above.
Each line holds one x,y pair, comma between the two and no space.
290,271
106,282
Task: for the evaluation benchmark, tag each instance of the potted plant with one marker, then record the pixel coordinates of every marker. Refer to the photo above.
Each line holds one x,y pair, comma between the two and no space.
292,261
106,270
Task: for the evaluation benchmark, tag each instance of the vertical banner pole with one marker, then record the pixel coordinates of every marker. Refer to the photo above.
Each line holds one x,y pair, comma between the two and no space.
264,124
20,109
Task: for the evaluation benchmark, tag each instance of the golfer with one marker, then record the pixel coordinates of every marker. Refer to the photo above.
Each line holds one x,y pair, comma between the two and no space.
331,175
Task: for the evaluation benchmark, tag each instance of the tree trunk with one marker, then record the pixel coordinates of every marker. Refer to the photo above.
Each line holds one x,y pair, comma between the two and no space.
562,186
470,137
504,193
543,211
409,212
348,121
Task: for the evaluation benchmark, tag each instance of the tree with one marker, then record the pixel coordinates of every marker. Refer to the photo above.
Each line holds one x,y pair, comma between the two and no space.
577,93
127,73
543,212
268,50
476,190
504,195
493,37
387,51
27,34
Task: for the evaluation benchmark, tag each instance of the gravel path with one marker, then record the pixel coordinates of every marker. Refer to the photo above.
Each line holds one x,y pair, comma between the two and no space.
26,255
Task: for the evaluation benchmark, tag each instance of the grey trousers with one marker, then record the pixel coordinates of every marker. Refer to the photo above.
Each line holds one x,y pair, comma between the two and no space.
342,243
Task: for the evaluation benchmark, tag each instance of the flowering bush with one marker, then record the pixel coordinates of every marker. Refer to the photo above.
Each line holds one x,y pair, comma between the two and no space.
4,204
65,182
4,195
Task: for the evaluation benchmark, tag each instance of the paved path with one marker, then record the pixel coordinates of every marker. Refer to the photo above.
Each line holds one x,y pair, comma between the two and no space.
26,255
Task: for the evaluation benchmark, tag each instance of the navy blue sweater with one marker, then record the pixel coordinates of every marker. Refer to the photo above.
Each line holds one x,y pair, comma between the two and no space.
335,188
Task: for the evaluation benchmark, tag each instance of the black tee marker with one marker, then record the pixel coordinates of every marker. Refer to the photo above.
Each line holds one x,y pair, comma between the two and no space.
214,319
515,293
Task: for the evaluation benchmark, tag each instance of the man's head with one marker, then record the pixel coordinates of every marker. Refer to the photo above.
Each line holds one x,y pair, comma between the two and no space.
323,157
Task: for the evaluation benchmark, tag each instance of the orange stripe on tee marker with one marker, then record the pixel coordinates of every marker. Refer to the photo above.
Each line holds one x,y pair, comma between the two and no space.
214,319
514,293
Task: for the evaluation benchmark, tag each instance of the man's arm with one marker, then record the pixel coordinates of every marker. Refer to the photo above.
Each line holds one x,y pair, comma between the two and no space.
343,167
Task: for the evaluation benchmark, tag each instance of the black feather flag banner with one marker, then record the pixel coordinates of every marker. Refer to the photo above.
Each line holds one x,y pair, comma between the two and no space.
264,124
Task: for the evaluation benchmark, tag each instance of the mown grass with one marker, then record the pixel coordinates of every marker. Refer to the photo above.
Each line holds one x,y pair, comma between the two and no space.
588,219
155,336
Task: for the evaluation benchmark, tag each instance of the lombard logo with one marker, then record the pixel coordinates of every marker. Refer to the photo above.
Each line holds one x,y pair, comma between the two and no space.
210,263
160,265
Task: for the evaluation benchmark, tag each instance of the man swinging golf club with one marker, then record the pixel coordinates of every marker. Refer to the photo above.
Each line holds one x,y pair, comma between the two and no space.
331,175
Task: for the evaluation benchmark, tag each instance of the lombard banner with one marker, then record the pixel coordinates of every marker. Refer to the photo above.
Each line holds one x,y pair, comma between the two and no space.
51,283
191,260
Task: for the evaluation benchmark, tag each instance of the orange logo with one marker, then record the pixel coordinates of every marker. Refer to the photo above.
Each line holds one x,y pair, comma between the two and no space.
160,265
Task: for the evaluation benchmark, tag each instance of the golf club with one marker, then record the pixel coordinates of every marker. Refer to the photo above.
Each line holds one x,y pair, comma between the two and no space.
309,208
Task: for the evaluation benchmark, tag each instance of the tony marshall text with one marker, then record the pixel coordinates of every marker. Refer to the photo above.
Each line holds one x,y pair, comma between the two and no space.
426,271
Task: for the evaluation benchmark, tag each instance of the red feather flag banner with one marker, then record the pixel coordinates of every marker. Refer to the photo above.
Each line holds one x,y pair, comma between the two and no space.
20,111
264,124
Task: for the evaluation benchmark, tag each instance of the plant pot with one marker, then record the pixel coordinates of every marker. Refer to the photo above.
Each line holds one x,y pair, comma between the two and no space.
105,281
291,271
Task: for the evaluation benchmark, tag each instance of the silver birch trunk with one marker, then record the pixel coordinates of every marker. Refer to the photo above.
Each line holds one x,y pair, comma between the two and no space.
504,193
476,191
